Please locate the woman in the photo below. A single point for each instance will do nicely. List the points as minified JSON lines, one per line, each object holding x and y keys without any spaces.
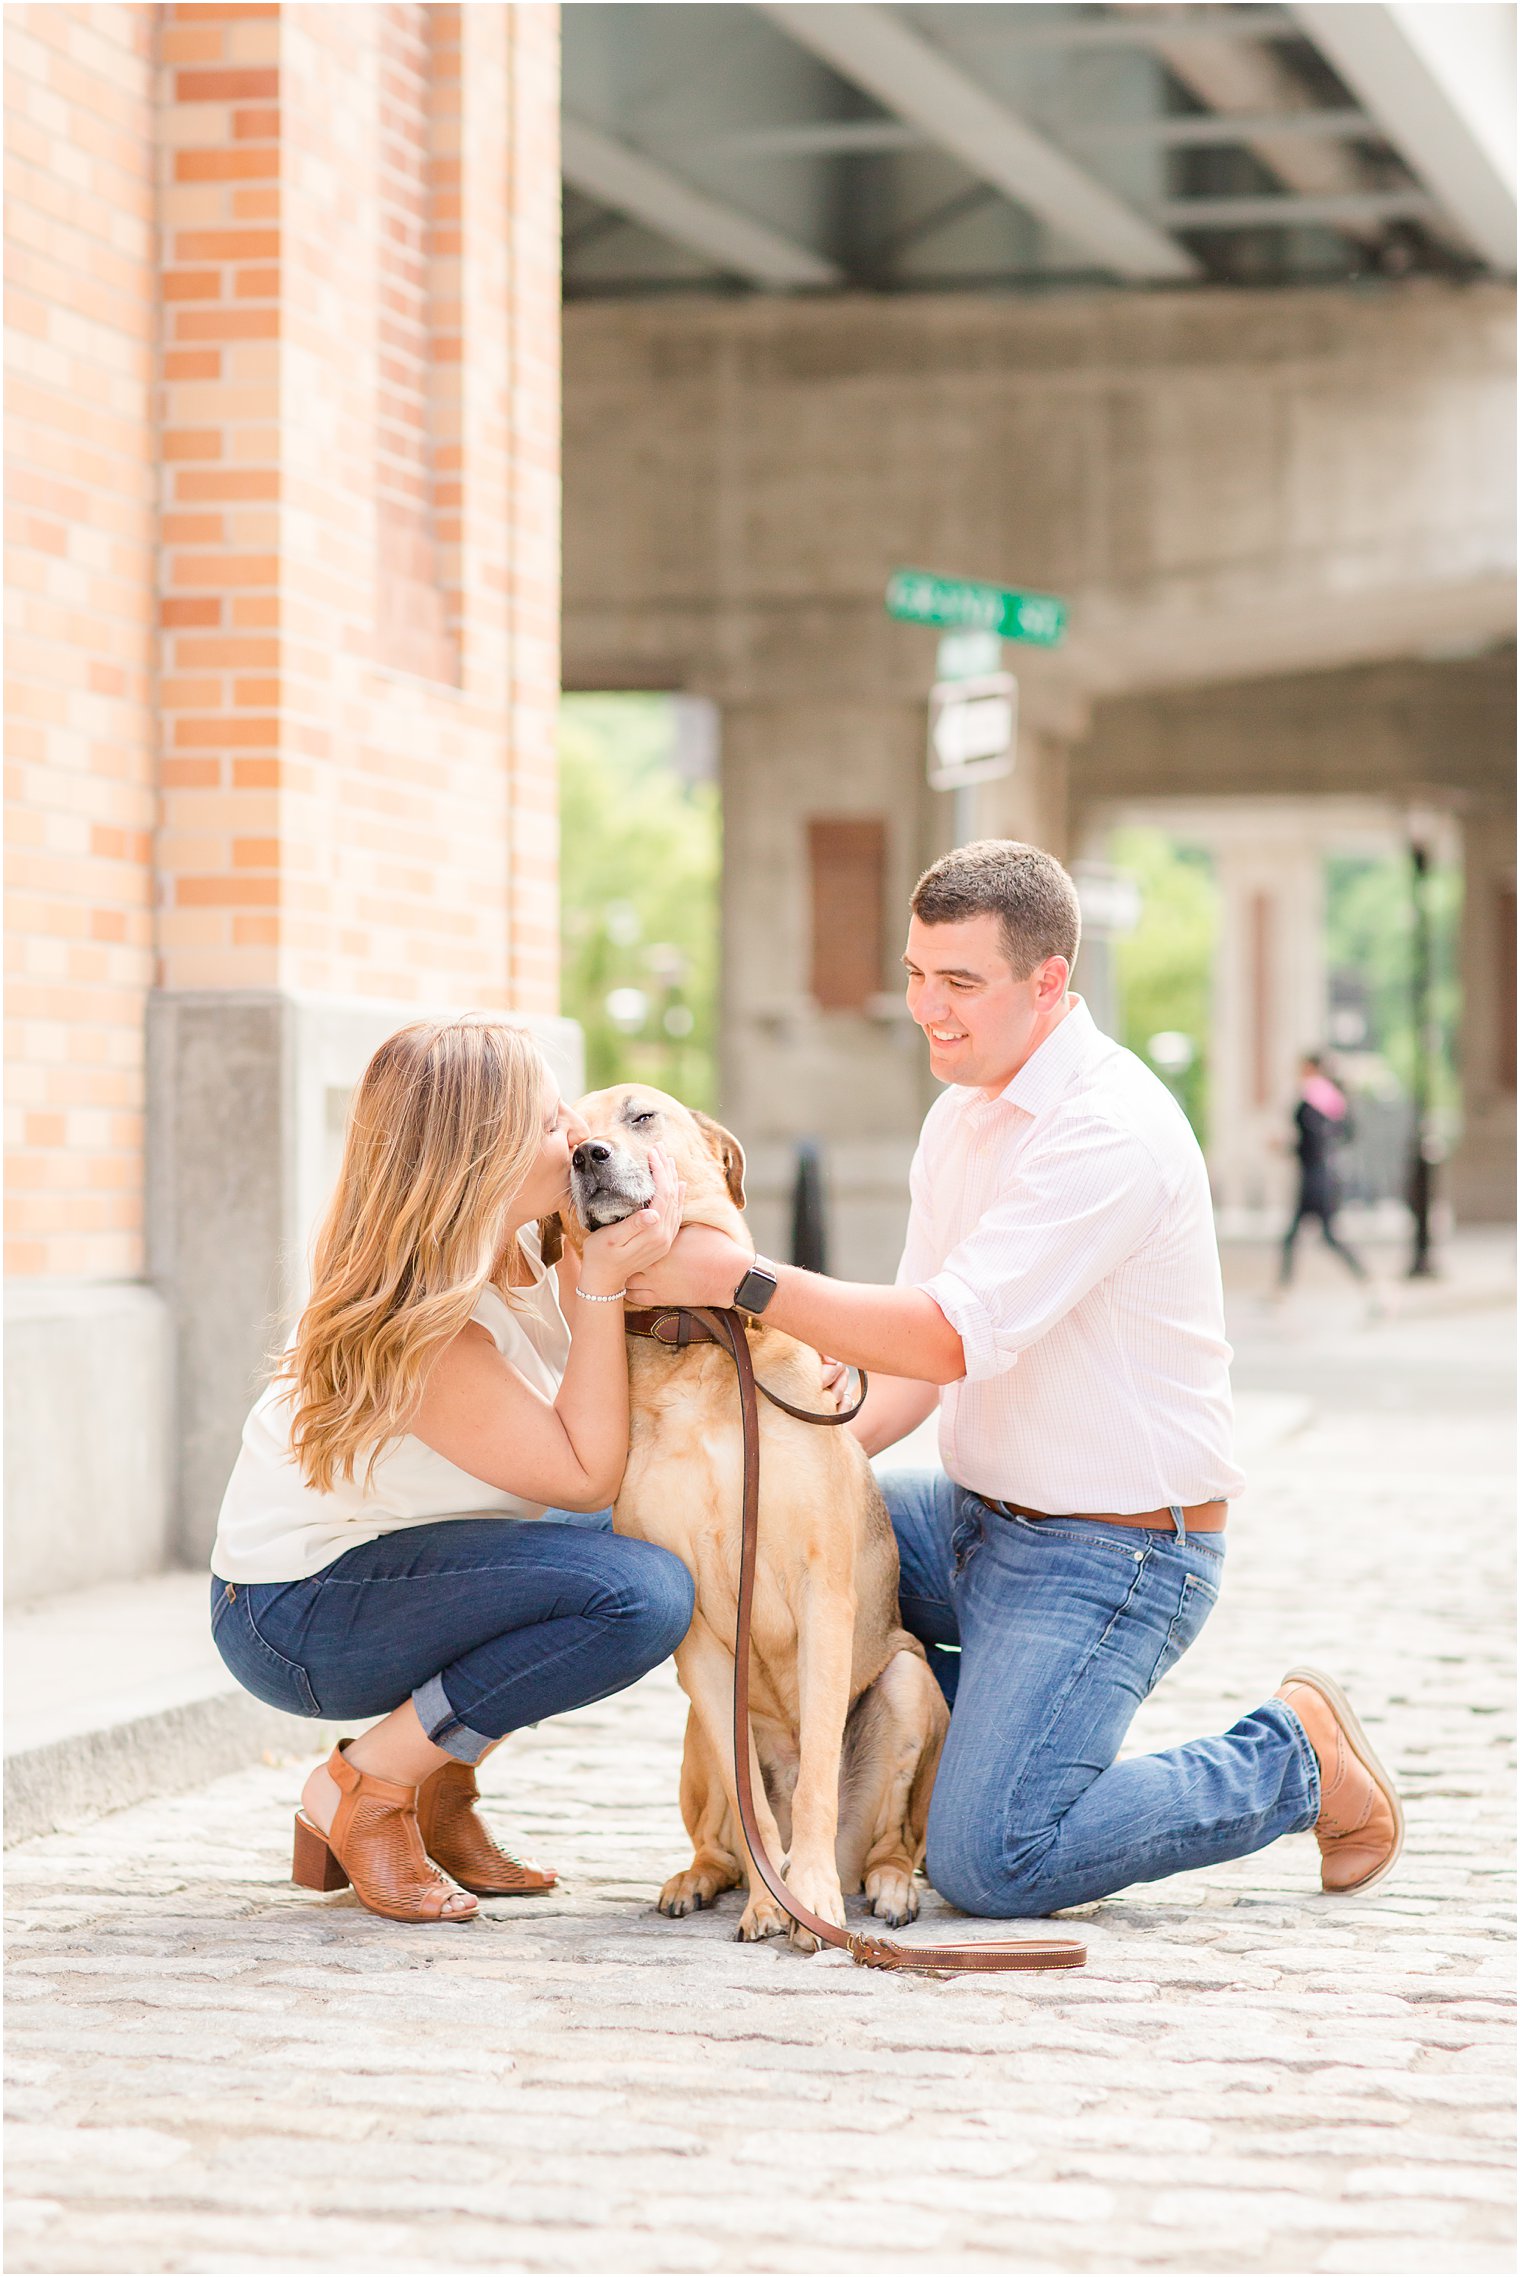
{"x":374,"y":1555}
{"x":1320,"y":1125}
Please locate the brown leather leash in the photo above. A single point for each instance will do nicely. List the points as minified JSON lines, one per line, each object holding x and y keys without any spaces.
{"x":677,"y":1326}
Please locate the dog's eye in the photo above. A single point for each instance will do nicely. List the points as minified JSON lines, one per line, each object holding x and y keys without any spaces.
{"x":646,"y":1117}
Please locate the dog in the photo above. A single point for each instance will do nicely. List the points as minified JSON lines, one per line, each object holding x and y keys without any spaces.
{"x":848,"y":1721}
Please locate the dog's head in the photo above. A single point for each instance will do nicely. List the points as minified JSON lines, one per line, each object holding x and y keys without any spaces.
{"x":609,"y":1171}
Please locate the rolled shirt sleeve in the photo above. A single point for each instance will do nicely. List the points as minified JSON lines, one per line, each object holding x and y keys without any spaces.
{"x":1084,"y":1204}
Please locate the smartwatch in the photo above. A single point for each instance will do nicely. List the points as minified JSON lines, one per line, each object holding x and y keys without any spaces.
{"x":757,"y":1288}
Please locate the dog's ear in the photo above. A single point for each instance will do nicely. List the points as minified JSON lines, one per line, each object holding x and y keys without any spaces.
{"x":728,"y":1151}
{"x":551,"y":1240}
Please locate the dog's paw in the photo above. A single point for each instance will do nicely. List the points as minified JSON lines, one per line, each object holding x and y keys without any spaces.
{"x":891,"y":1896}
{"x":762,"y":1917}
{"x":820,"y":1892}
{"x":691,"y":1891}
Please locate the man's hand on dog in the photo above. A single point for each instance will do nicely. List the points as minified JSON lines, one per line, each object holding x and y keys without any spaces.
{"x":611,"y":1258}
{"x":704,"y":1267}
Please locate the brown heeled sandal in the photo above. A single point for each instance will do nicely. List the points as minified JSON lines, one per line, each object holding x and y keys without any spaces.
{"x":375,"y":1844}
{"x":457,"y":1838}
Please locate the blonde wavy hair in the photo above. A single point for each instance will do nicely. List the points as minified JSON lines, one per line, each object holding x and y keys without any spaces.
{"x":445,"y":1126}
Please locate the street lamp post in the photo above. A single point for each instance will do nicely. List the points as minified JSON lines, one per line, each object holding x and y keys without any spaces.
{"x":1421,"y":1149}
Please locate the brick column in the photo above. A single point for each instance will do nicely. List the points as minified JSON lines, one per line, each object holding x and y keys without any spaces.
{"x":361,"y":599}
{"x":283,"y":377}
{"x":361,"y":443}
{"x":79,"y":258}
{"x":220,"y":695}
{"x":532,"y":411}
{"x":86,"y":1345}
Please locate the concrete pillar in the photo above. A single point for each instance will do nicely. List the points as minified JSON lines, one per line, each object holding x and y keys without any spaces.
{"x":791,"y":1067}
{"x":1270,"y":1007}
{"x":856,"y":1079}
{"x":1032,"y":802}
{"x":1480,"y":1179}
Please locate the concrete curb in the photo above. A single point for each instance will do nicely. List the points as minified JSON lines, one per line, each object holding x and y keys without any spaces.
{"x":65,"y":1783}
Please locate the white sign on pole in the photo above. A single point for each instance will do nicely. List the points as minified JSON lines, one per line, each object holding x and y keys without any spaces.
{"x":973,"y":730}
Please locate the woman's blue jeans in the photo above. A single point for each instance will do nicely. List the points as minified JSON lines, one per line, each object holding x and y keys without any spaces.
{"x":1064,"y":1626}
{"x":486,"y":1623}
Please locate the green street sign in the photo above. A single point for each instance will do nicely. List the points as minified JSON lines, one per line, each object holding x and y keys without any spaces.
{"x":921,"y":599}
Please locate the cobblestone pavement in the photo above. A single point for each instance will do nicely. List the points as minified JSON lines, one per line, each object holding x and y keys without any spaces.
{"x":211,"y":2071}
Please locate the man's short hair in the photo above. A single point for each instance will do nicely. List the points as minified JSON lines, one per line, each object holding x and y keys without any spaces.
{"x":1025,"y":889}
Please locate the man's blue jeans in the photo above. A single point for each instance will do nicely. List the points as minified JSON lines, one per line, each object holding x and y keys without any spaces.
{"x":1064,"y":1625}
{"x":486,"y":1623}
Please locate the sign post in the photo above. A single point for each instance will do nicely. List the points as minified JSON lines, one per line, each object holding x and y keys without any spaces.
{"x":968,"y":656}
{"x":1112,"y":906}
{"x":973,"y":730}
{"x":974,"y":704}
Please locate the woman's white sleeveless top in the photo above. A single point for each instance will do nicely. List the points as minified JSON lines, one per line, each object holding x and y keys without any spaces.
{"x":274,"y":1527}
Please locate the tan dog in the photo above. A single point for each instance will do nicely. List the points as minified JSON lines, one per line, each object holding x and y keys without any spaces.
{"x":847,"y":1719}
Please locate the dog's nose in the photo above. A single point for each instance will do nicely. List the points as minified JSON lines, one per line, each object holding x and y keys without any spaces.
{"x":590,"y":1151}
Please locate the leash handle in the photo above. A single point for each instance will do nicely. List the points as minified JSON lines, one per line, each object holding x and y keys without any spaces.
{"x":811,"y":1415}
{"x":728,"y":1329}
{"x":678,"y":1327}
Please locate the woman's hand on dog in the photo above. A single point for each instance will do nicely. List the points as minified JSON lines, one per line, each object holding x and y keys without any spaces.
{"x":611,"y":1257}
{"x":836,"y":1380}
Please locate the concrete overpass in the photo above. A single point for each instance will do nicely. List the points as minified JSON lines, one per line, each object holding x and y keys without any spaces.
{"x":1280,"y":511}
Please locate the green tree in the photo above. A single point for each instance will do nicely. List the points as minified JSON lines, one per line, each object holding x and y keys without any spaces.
{"x":639,"y":867}
{"x":1165,"y":968}
{"x":1370,"y":934}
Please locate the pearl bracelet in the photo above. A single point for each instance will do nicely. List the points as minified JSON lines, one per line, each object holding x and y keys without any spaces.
{"x":591,"y":1298}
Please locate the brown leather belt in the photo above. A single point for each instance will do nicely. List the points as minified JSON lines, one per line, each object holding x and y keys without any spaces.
{"x":680,"y":1326}
{"x":1197,"y":1517}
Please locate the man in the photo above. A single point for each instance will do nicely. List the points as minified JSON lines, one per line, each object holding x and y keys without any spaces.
{"x":1059,"y":1298}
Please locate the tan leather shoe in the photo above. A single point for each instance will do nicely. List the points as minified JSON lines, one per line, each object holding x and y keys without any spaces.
{"x":374,"y":1843}
{"x":457,"y":1838}
{"x":1360,"y":1828}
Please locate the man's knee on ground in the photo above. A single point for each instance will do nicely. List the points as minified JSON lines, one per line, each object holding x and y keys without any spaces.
{"x":984,"y":1868}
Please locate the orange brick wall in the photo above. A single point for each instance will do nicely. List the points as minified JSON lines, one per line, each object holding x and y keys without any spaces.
{"x":80,"y":537}
{"x":219,"y":192}
{"x":352,"y":457}
{"x":419,"y":76}
{"x":355,"y":825}
{"x":531,"y":403}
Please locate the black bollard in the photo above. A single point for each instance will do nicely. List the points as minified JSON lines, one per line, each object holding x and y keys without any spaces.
{"x":809,"y":1238}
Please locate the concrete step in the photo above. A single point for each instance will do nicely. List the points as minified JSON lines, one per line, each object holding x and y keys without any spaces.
{"x":117,"y":1693}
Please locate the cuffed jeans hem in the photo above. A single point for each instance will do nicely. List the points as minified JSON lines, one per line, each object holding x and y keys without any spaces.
{"x":1309,"y":1760}
{"x":443,"y":1727}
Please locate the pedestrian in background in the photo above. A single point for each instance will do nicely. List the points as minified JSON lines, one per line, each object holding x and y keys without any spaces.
{"x":1321,"y":1124}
